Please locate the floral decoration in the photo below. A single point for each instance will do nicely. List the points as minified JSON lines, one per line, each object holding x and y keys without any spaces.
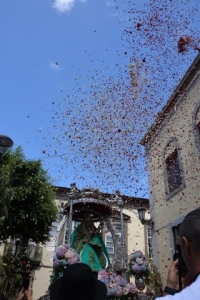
{"x":139,"y":264}
{"x":64,"y":256}
{"x":116,"y":285}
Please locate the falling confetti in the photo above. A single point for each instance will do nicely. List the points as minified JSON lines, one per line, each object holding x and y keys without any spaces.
{"x":105,"y":112}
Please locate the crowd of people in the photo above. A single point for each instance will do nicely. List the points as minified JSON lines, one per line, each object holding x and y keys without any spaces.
{"x":79,"y":282}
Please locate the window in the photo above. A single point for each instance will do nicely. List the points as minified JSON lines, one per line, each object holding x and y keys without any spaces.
{"x":198,"y":128}
{"x":109,"y":239}
{"x":109,"y":243}
{"x":110,"y":250}
{"x":196,"y":125}
{"x":173,"y":171}
{"x":175,"y":231}
{"x":109,"y":246}
{"x":149,"y":242}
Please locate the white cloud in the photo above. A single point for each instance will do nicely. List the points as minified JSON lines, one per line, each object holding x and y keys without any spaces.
{"x":65,"y":5}
{"x":109,"y":3}
{"x":55,"y":66}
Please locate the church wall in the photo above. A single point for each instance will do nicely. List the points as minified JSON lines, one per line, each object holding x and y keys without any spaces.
{"x":178,"y":124}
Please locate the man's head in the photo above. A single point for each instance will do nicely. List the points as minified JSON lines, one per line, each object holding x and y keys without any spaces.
{"x":190,"y":236}
{"x":78,"y":283}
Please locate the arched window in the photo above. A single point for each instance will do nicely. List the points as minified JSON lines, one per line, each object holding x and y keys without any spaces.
{"x":196,"y":125}
{"x":173,"y":171}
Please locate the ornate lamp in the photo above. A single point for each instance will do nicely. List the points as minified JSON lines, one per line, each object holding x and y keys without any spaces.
{"x":141,"y":213}
{"x":5,"y":144}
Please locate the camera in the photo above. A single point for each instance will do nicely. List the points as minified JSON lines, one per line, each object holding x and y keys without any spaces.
{"x":182,"y":268}
{"x":25,"y":283}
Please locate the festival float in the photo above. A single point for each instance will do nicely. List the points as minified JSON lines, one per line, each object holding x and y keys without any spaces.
{"x":93,"y":211}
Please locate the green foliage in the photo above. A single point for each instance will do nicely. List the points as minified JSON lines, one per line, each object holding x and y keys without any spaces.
{"x":26,"y":198}
{"x":153,"y":281}
{"x":10,"y":279}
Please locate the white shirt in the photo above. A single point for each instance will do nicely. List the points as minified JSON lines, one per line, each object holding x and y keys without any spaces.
{"x":191,"y":292}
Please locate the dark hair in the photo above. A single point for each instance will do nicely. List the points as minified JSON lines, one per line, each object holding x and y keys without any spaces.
{"x":190,"y":228}
{"x":78,"y":283}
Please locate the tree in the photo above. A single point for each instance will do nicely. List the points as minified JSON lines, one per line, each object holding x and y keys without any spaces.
{"x":26,"y":198}
{"x":10,"y":279}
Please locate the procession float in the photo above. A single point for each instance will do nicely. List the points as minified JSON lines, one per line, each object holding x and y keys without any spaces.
{"x":92,"y":212}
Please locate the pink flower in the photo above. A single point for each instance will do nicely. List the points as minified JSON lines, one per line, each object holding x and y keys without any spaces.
{"x":103,"y":276}
{"x":65,"y":256}
{"x":136,"y":269}
{"x":60,"y":252}
{"x":119,"y":291}
{"x":139,"y":261}
{"x":116,"y":285}
{"x":126,"y":289}
{"x":133,"y":288}
{"x":120,"y":281}
{"x":73,"y":260}
{"x":69,"y":254}
{"x":67,"y":246}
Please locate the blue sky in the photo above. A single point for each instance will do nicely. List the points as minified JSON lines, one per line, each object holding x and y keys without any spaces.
{"x":60,"y":60}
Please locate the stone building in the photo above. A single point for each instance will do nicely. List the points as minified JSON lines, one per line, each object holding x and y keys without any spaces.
{"x":173,"y":158}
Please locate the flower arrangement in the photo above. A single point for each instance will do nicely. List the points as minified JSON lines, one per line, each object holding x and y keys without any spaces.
{"x":139,"y":264}
{"x":64,"y":256}
{"x":116,"y":285}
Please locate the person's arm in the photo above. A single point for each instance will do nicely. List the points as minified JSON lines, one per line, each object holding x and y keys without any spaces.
{"x":172,"y":286}
{"x":21,"y":294}
{"x":29,"y":292}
